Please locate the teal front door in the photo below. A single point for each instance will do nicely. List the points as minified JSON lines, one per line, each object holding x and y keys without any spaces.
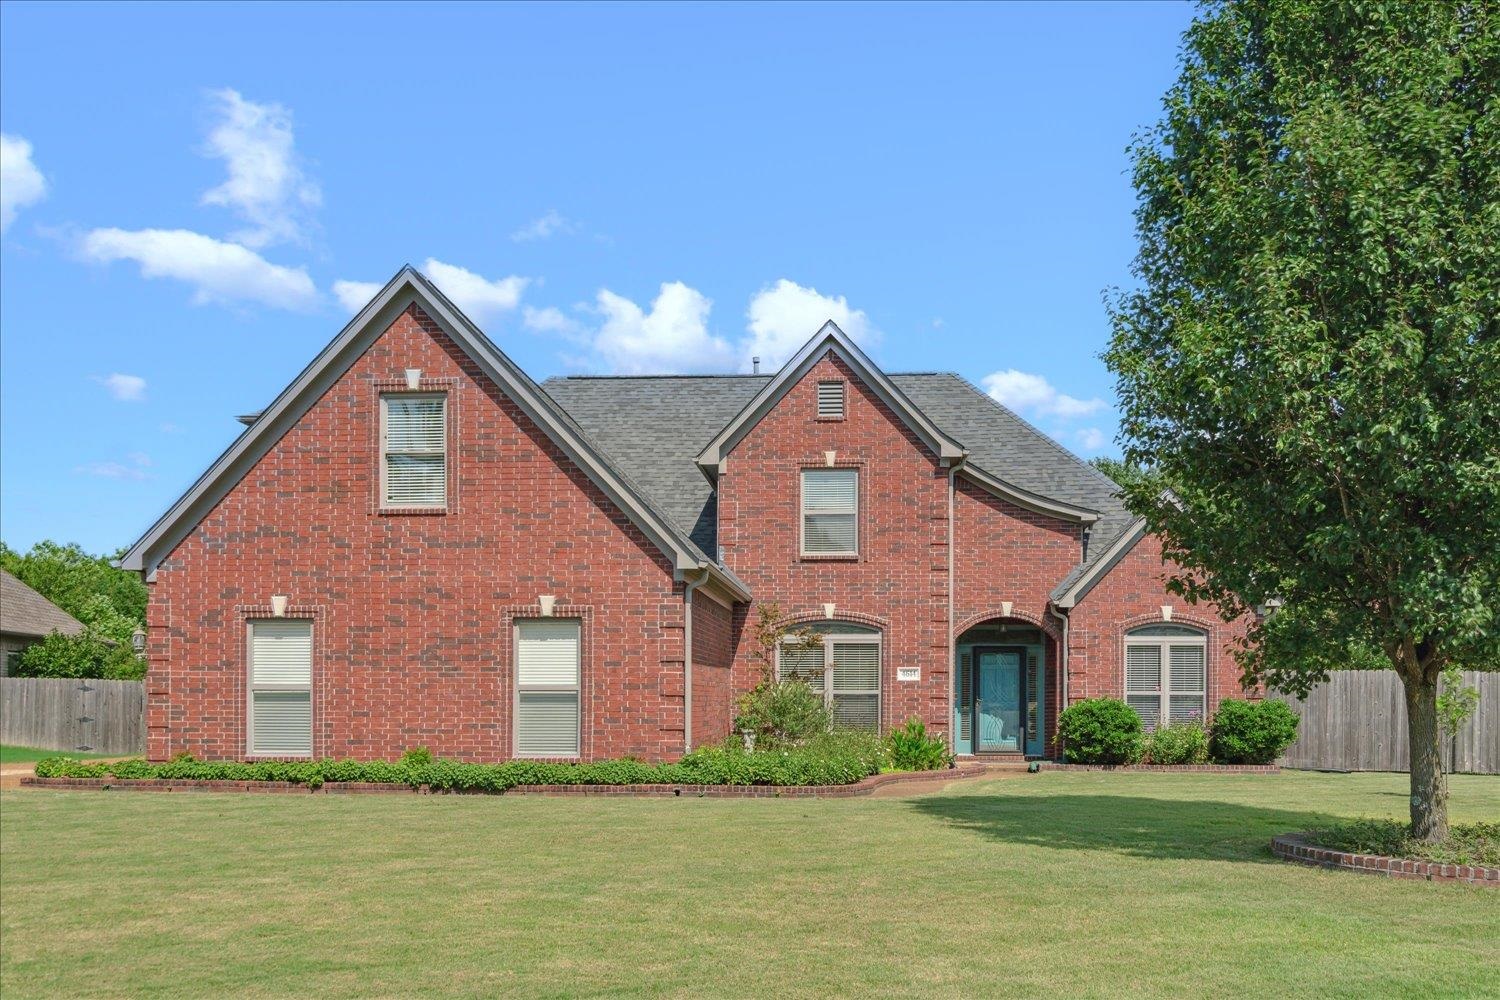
{"x":1000,"y":679}
{"x":997,"y":705}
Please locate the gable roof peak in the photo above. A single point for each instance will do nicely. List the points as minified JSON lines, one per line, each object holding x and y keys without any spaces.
{"x":829,"y":338}
{"x":406,"y":287}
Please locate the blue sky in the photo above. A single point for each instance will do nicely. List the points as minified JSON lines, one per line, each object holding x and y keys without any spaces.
{"x":195,"y":198}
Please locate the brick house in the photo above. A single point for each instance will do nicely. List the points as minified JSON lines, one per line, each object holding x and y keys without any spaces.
{"x":416,"y":544}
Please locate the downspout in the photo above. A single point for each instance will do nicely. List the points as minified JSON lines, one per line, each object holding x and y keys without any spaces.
{"x":687,"y":656}
{"x":952,"y":650}
{"x":1062,"y":661}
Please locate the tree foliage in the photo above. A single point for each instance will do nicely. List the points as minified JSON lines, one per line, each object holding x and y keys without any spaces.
{"x":110,"y":602}
{"x":1310,"y":364}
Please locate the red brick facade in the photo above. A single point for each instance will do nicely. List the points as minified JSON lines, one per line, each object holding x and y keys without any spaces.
{"x":414,"y":612}
{"x":899,"y":580}
{"x":411,"y":612}
{"x":1130,"y":596}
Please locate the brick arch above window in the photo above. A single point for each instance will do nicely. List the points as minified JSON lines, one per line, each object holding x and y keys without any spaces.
{"x":840,"y":614}
{"x":1208,"y":626}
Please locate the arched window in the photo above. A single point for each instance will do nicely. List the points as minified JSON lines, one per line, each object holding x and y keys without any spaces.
{"x":844,"y":666}
{"x":1166,"y":674}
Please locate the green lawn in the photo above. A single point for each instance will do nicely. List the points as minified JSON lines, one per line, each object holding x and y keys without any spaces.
{"x":30,"y":755}
{"x":1036,"y":886}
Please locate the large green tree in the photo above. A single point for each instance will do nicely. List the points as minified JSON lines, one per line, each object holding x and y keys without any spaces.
{"x":1309,"y":364}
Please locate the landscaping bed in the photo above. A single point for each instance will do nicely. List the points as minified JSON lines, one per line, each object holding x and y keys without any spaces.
{"x":823,"y":764}
{"x":863,"y":786}
{"x":1295,"y":848}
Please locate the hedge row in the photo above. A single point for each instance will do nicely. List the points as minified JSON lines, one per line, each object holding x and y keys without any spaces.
{"x":708,"y":766}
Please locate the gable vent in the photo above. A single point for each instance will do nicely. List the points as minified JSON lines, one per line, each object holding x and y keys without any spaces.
{"x":831,"y":400}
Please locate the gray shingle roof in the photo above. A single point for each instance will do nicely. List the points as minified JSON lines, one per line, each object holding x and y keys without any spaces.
{"x":652,"y":427}
{"x":25,"y":612}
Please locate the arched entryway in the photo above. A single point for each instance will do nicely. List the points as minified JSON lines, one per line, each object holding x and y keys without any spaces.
{"x":1000,"y":691}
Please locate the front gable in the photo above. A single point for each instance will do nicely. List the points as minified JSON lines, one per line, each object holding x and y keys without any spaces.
{"x":406,"y":291}
{"x":830,"y":344}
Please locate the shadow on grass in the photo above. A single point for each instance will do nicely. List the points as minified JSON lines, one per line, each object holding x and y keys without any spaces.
{"x":1127,"y":825}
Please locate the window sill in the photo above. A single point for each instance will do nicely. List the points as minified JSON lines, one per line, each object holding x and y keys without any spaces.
{"x":830,"y":420}
{"x":829,"y":557}
{"x":411,"y":511}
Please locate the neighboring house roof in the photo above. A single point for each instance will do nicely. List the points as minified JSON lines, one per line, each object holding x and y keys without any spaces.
{"x":655,"y":426}
{"x":406,"y":287}
{"x":25,"y":612}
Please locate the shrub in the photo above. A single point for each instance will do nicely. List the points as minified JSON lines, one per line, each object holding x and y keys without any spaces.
{"x":1184,"y":744}
{"x":81,"y":655}
{"x":784,"y":711}
{"x":1251,"y":732}
{"x":1100,"y":731}
{"x":909,"y":748}
{"x":830,"y":758}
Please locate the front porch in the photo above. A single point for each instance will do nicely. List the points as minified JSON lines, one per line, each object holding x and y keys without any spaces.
{"x":1004,"y":691}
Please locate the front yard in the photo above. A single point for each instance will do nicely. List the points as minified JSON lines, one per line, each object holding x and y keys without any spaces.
{"x":1059,"y":884}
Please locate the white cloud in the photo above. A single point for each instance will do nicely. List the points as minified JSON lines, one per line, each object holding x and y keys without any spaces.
{"x":353,"y":295}
{"x":553,"y":320}
{"x":785,"y":315}
{"x":672,"y":337}
{"x":218,"y":271}
{"x":167,"y":427}
{"x":1090,"y":438}
{"x":1030,"y":393}
{"x":21,"y":183}
{"x":126,"y":388}
{"x":480,"y":298}
{"x":549,"y":225}
{"x":266,"y":185}
{"x":133,"y":468}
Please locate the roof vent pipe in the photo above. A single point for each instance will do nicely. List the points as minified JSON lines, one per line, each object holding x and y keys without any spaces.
{"x":755,"y":365}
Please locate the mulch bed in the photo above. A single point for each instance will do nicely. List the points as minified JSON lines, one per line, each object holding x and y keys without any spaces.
{"x":1295,"y":848}
{"x":858,"y":788}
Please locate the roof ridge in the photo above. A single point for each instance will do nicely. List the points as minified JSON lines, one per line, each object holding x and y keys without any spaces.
{"x":702,"y":375}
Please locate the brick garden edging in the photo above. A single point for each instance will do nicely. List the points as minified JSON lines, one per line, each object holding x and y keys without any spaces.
{"x":1170,"y":768}
{"x":1295,"y":848}
{"x":854,"y":790}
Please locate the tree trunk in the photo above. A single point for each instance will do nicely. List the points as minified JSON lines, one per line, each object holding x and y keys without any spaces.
{"x":1429,"y":786}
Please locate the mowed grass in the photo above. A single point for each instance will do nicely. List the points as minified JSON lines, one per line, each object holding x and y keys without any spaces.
{"x":1058,"y":884}
{"x":10,"y":754}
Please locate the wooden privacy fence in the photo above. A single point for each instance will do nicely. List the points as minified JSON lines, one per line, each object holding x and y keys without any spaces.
{"x":1357,"y":722}
{"x":93,"y":716}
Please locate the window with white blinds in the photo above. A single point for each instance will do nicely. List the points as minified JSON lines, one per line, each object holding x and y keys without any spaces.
{"x":830,"y":512}
{"x":845,"y":669}
{"x":831,"y":400}
{"x":414,"y":449}
{"x":1166,"y":676}
{"x":280,"y":706}
{"x":547,"y":676}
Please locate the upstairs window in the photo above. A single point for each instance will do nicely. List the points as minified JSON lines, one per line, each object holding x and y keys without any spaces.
{"x":830,"y":400}
{"x":414,"y":449}
{"x":830,"y":512}
{"x":1166,"y":675}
